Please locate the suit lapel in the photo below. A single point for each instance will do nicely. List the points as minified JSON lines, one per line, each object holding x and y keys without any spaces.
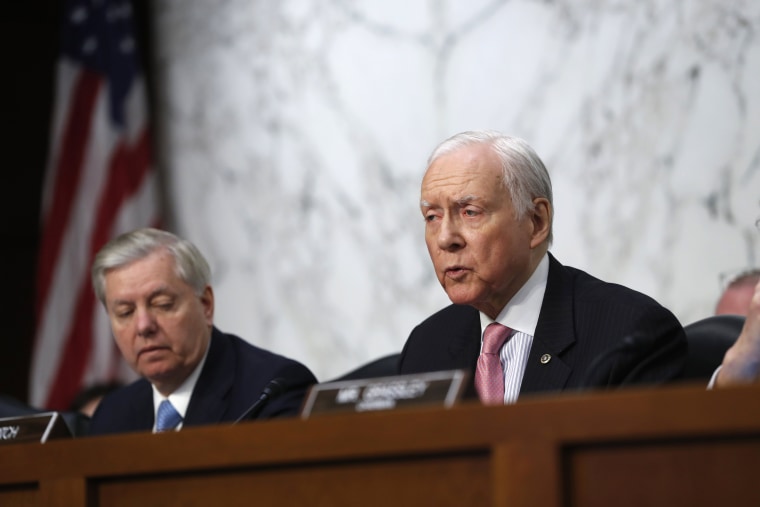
{"x":141,"y":407}
{"x":554,"y":334}
{"x":464,"y":350}
{"x":208,"y":402}
{"x":465,"y":346}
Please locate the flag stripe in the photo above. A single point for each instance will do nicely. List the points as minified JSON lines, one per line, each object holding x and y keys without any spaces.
{"x":99,"y":183}
{"x":72,"y":264}
{"x":68,"y":173}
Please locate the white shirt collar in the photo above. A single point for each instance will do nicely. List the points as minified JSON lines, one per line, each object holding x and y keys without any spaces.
{"x":522,"y":311}
{"x":180,"y":398}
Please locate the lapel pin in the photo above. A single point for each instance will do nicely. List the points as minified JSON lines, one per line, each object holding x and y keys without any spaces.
{"x":546,"y":358}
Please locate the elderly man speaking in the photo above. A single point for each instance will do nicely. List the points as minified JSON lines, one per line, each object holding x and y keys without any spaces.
{"x":521,"y":321}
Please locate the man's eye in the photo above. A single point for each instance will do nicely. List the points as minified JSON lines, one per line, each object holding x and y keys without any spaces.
{"x":123,"y":313}
{"x":471,"y":212}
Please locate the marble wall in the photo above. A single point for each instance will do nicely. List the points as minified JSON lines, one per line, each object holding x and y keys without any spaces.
{"x":293,"y":135}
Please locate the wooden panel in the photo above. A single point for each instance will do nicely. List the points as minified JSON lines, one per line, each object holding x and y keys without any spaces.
{"x":65,"y":492}
{"x":22,"y":495}
{"x":526,"y":473}
{"x":721,"y":471}
{"x":437,"y":480}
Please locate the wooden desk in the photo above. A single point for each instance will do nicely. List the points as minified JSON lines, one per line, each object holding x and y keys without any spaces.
{"x":674,"y":446}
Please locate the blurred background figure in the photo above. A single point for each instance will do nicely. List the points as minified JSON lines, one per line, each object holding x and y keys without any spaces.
{"x":86,"y":401}
{"x":741,"y":364}
{"x":738,"y":293}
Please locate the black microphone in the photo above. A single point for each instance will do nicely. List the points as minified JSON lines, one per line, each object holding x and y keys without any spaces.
{"x":273,"y":389}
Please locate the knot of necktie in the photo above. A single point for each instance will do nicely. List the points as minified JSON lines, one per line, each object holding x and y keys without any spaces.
{"x":494,"y":337}
{"x":167,"y":417}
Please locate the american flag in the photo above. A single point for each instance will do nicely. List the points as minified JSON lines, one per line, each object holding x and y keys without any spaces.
{"x":99,"y":183}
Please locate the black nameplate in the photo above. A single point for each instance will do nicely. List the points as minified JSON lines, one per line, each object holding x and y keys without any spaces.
{"x":442,"y":388}
{"x":33,"y":428}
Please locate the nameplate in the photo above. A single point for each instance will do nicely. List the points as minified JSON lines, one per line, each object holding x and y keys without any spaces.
{"x":33,"y":428}
{"x":443,"y":389}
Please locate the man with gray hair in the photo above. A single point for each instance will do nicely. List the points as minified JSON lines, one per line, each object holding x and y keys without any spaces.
{"x":521,"y":321}
{"x":157,"y":292}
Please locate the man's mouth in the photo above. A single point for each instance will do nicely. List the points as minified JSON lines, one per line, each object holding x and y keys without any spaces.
{"x":455,"y":272}
{"x":151,"y":349}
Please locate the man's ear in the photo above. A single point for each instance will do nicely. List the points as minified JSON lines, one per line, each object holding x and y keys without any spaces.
{"x":541,"y":218}
{"x":207,"y":300}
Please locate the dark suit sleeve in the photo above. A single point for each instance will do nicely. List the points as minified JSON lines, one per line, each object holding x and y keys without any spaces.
{"x":653,"y":353}
{"x":236,"y":376}
{"x":125,"y":410}
{"x":447,"y":340}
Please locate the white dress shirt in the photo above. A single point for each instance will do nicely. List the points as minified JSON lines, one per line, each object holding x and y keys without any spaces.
{"x":521,"y":315}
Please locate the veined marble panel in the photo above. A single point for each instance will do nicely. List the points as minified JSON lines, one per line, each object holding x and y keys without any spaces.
{"x":294,"y":134}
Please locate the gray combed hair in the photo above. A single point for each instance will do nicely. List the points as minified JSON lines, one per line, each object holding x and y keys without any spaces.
{"x":190,"y":265}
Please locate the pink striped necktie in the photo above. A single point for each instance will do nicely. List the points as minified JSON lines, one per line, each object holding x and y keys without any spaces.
{"x":489,"y":375}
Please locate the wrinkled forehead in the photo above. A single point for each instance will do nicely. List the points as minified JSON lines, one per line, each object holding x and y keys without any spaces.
{"x":463,"y":174}
{"x":477,"y":160}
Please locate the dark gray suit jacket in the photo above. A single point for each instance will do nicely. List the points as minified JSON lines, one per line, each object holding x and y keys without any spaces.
{"x":598,"y":334}
{"x":232,"y":379}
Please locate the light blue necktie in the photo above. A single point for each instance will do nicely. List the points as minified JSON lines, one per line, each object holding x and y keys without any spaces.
{"x":167,"y":417}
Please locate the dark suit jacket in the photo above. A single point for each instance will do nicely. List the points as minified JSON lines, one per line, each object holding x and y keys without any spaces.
{"x":232,"y":379}
{"x":598,"y":335}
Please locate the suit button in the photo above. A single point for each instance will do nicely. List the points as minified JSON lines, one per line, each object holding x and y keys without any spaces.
{"x":546,"y":358}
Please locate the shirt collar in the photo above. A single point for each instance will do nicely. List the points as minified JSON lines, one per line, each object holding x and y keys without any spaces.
{"x":522,"y":311}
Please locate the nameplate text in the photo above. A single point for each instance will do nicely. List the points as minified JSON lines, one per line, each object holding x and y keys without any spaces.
{"x":443,"y":389}
{"x":33,"y":428}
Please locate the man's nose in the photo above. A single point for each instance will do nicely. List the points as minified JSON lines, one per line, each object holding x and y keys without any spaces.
{"x":449,"y":234}
{"x":146,"y":322}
